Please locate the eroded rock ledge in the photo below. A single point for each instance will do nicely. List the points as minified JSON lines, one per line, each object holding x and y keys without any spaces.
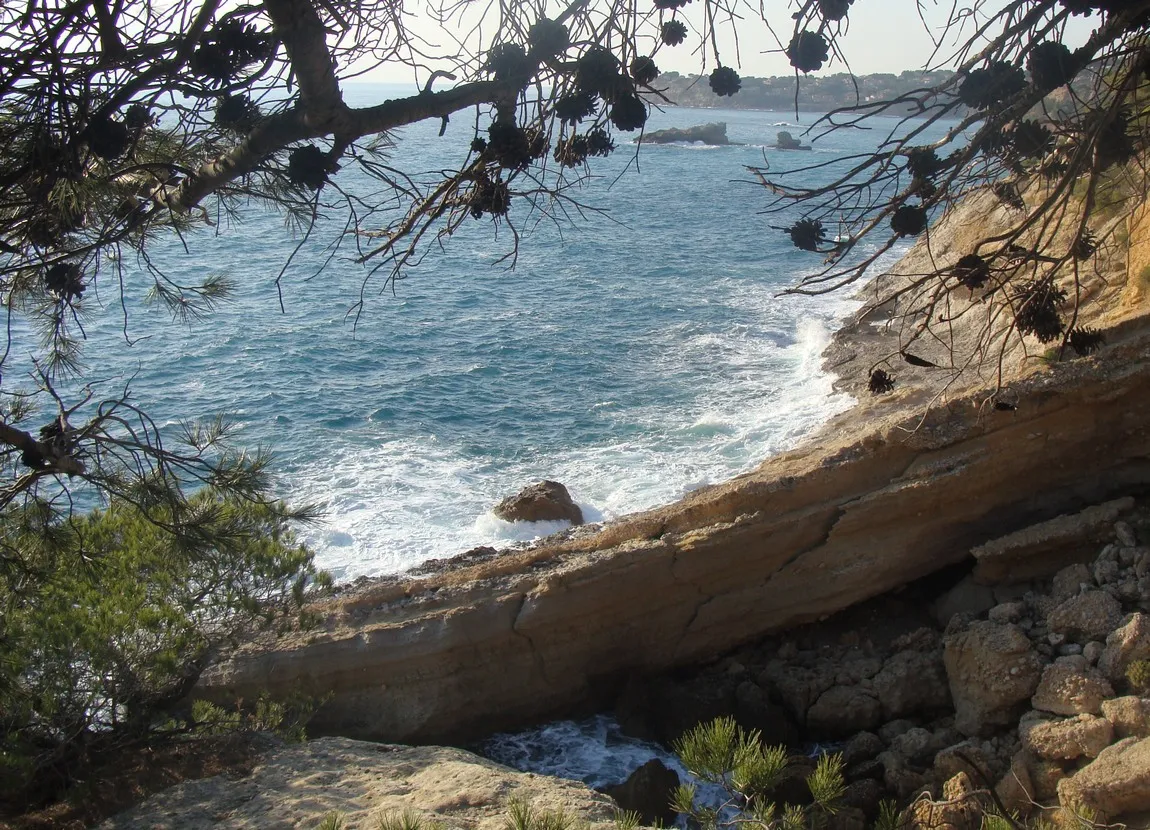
{"x":535,"y":634}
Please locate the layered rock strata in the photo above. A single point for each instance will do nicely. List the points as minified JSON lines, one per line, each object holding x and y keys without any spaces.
{"x":533,"y":634}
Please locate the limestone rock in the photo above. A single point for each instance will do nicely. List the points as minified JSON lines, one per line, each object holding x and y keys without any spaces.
{"x":1130,"y":716}
{"x":544,"y":501}
{"x":991,"y":669}
{"x":1040,"y":549}
{"x":1088,"y":616}
{"x":881,"y":496}
{"x":1068,"y":582}
{"x":1113,"y":784}
{"x":298,"y":784}
{"x":862,"y":747}
{"x":1125,"y":645}
{"x":1065,"y":740}
{"x":1015,"y":789}
{"x":912,"y":683}
{"x":962,"y":808}
{"x":647,"y":791}
{"x":715,"y":133}
{"x":966,"y":597}
{"x":916,"y":745}
{"x":798,"y":687}
{"x":842,"y":711}
{"x":967,"y":756}
{"x":1067,"y":689}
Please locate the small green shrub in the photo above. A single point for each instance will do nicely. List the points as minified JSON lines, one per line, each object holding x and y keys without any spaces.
{"x":1138,"y":676}
{"x":723,"y":754}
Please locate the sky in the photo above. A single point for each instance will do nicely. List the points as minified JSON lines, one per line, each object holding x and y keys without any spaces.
{"x":881,"y":36}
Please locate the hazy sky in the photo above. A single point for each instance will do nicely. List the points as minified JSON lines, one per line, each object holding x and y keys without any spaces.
{"x":882,"y":36}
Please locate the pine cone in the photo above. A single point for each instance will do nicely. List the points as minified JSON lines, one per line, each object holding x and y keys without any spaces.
{"x":808,"y":51}
{"x":972,"y":271}
{"x":725,"y":81}
{"x":307,"y":167}
{"x":628,"y":112}
{"x":908,"y":220}
{"x":986,"y":88}
{"x":673,"y":32}
{"x":548,"y":38}
{"x":880,"y":382}
{"x":643,"y":70}
{"x":1051,"y":65}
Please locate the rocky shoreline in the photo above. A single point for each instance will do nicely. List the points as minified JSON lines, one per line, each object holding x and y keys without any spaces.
{"x":947,"y":590}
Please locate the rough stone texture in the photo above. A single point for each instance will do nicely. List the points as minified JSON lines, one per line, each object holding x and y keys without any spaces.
{"x":1015,"y":789}
{"x":1041,"y":549}
{"x":842,"y":711}
{"x":1088,"y":616}
{"x":871,"y":503}
{"x":966,"y":597}
{"x":1113,"y":784}
{"x":544,"y":501}
{"x":961,"y":808}
{"x":1068,"y":582}
{"x":862,"y":747}
{"x":647,"y":791}
{"x":714,"y":133}
{"x":1067,"y":689}
{"x":992,"y":669}
{"x":1125,"y":645}
{"x":1065,"y":740}
{"x":1130,"y":716}
{"x":297,"y":785}
{"x":912,"y":683}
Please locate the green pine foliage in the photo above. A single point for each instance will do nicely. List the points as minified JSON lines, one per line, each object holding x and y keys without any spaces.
{"x":110,"y":618}
{"x":721,"y":753}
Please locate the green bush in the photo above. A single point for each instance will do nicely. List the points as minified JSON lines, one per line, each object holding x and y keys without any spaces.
{"x":1138,"y":676}
{"x":747,"y":771}
{"x":110,"y":617}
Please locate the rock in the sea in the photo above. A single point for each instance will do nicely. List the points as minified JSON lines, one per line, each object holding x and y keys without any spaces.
{"x":299,"y":784}
{"x":1067,"y":689}
{"x":706,"y":133}
{"x":992,"y":670}
{"x":1064,"y":740}
{"x":1113,"y":784}
{"x":544,"y":501}
{"x":1088,"y":616}
{"x":647,"y":791}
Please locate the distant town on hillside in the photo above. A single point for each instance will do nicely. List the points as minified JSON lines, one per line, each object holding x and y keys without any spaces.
{"x":816,"y":93}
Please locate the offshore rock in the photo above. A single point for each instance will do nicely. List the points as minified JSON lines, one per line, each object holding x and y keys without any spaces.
{"x":544,"y":501}
{"x":706,"y":133}
{"x":879,"y":499}
{"x":647,"y":791}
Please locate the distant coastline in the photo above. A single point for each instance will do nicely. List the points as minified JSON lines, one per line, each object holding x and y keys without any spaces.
{"x":815,"y":93}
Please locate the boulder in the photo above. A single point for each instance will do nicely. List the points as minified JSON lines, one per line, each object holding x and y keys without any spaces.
{"x":912,"y":683}
{"x":916,"y":745}
{"x":1041,"y":549}
{"x":1124,"y":645}
{"x":544,"y":501}
{"x":966,"y":597}
{"x":297,"y":785}
{"x":992,"y":670}
{"x":864,"y":746}
{"x":706,"y":133}
{"x":1015,"y":789}
{"x":755,"y":711}
{"x":1113,"y":784}
{"x":647,"y":791}
{"x":1065,"y":740}
{"x":1130,"y":716}
{"x":1088,"y":616}
{"x":961,"y":808}
{"x":1069,"y":581}
{"x":842,"y":711}
{"x":798,"y":687}
{"x":1066,"y":689}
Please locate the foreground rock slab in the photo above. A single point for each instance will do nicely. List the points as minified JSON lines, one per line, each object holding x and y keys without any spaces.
{"x":297,"y":785}
{"x":862,"y":509}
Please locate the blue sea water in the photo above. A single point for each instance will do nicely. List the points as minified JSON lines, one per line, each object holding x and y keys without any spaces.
{"x":633,"y":355}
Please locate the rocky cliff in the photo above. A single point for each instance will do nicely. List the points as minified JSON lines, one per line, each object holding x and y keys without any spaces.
{"x":883,"y":495}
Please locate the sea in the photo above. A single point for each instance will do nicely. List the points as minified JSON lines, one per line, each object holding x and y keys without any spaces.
{"x":640,"y":347}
